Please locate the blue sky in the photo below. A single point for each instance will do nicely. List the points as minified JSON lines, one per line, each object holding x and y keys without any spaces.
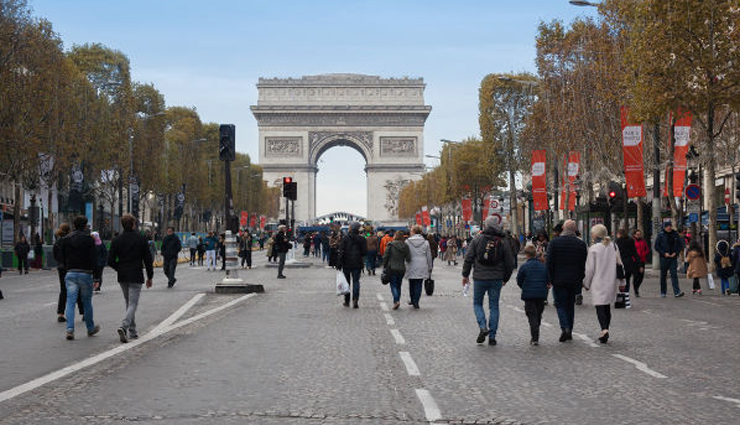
{"x":209,"y":54}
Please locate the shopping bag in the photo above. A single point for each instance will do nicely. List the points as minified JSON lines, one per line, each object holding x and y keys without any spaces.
{"x":31,"y":255}
{"x":623,"y":300}
{"x":710,"y":281}
{"x":342,"y":284}
{"x":429,"y":286}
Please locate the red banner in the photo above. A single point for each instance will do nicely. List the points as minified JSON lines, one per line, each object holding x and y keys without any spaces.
{"x":425,"y":218}
{"x":263,"y":221}
{"x":682,"y":133}
{"x":563,"y":184}
{"x":634,"y":172}
{"x":418,"y":219}
{"x":467,"y":209}
{"x":539,"y":181}
{"x":243,"y":219}
{"x":253,"y":221}
{"x":572,"y":171}
{"x":486,"y":205}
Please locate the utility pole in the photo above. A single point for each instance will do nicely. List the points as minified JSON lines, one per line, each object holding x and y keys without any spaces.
{"x":657,"y":210}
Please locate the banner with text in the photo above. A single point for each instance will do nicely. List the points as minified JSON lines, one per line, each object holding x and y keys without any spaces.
{"x":574,"y":168}
{"x":682,"y":133}
{"x":634,"y":173}
{"x":563,"y":183}
{"x":467,"y":209}
{"x":539,"y":181}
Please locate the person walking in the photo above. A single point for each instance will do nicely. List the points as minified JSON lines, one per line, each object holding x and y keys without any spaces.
{"x":492,"y":262}
{"x":384,"y":241}
{"x":325,"y":248}
{"x":83,"y":274}
{"x":533,"y":280}
{"x":566,"y":266}
{"x":643,"y":253}
{"x":211,"y":243}
{"x":451,"y":252}
{"x":307,"y":244}
{"x":420,"y":265}
{"x":22,"y":248}
{"x":335,"y":242}
{"x":193,"y":245}
{"x":352,"y":252}
{"x":725,"y":268}
{"x":669,"y":245}
{"x":317,"y":245}
{"x":628,"y":255}
{"x":601,"y":277}
{"x":282,"y":246}
{"x":373,"y":243}
{"x":697,"y":265}
{"x":201,"y":248}
{"x":102,"y":254}
{"x":245,"y":249}
{"x":222,"y":250}
{"x":129,"y":252}
{"x":270,"y":248}
{"x":171,"y":247}
{"x":63,"y":232}
{"x":38,"y":252}
{"x":397,"y":254}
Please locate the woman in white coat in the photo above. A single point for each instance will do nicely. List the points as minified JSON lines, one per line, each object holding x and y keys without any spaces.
{"x":601,"y":277}
{"x":420,"y":266}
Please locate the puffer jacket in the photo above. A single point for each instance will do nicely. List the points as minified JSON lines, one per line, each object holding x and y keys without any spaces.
{"x":397,"y":253}
{"x":352,"y":251}
{"x":532,"y":278}
{"x":420,"y":266}
{"x":499,"y":271}
{"x":723,"y":251}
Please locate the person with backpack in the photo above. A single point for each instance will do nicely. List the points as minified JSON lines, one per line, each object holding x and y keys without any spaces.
{"x":725,"y":268}
{"x":352,"y":252}
{"x":566,"y":265}
{"x":492,"y":262}
{"x":397,"y":254}
{"x":532,"y":278}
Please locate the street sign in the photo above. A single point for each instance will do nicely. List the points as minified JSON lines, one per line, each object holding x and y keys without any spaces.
{"x":693,"y":207}
{"x":693,"y":218}
{"x":693,"y":192}
{"x":727,"y":196}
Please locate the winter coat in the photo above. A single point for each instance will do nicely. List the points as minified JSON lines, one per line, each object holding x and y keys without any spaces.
{"x":532,"y":278}
{"x":697,"y":265}
{"x":22,"y":249}
{"x":57,"y":253}
{"x":397,"y":254}
{"x":643,"y":250}
{"x":433,"y":246}
{"x":79,"y":255}
{"x":502,"y":270}
{"x":193,"y":242}
{"x":724,"y":252}
{"x":211,"y":243}
{"x":372,"y":243}
{"x":628,"y":251}
{"x":282,"y":244}
{"x":668,"y":243}
{"x":102,"y":253}
{"x":384,"y":243}
{"x":420,"y":266}
{"x":352,"y":252}
{"x":566,"y":261}
{"x":736,"y":257}
{"x":171,"y":246}
{"x":129,"y":252}
{"x":601,"y":273}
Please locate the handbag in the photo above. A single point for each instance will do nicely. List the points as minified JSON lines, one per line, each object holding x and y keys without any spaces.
{"x":623,"y":300}
{"x":385,"y":277}
{"x":429,"y":286}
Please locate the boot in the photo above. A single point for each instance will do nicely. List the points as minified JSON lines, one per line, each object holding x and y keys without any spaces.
{"x":355,"y":304}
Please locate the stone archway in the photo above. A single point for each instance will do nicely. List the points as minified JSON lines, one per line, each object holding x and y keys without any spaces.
{"x":383,"y":119}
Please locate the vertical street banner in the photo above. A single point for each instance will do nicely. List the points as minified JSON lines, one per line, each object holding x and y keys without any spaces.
{"x":263,"y":221}
{"x":682,"y":133}
{"x":467,"y":209}
{"x":563,"y":183}
{"x":539,"y":181}
{"x":243,"y":219}
{"x":418,"y":219}
{"x":634,"y":173}
{"x":425,"y":218}
{"x":572,"y":171}
{"x":486,"y":205}
{"x":253,"y":221}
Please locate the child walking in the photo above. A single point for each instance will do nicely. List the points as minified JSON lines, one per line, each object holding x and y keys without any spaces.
{"x":533,"y":280}
{"x":697,"y":265}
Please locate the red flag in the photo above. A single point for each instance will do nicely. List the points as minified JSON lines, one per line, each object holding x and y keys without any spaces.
{"x":633,"y":163}
{"x":563,"y":185}
{"x":467,"y":209}
{"x":253,"y":221}
{"x":243,"y":218}
{"x":682,"y":133}
{"x":263,"y":221}
{"x":486,"y":205}
{"x":418,"y":219}
{"x":572,"y":171}
{"x":539,"y":181}
{"x":426,"y":219}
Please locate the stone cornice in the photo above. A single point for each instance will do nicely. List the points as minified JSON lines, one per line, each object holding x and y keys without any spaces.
{"x":343,"y":80}
{"x":264,"y":109}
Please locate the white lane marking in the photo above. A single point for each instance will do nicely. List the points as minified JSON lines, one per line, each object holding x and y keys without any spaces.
{"x":389,"y":319}
{"x":410,"y":364}
{"x":518,"y":310}
{"x":431,"y":410}
{"x":179,"y":312}
{"x":398,"y":337}
{"x":384,"y":307}
{"x":586,"y":339}
{"x":731,"y":400}
{"x":61,"y":373}
{"x":546,"y":324}
{"x":642,"y":367}
{"x":709,"y":302}
{"x":49,"y":304}
{"x":380,"y":297}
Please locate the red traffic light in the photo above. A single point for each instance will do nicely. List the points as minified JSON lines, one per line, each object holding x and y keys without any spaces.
{"x":612,"y":194}
{"x":287,"y":180}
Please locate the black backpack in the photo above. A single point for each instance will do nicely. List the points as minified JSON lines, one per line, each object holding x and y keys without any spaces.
{"x":491,"y":250}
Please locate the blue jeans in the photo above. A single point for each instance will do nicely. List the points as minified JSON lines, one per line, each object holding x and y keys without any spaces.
{"x":666,"y":265}
{"x":395,"y":284}
{"x":480,"y":288}
{"x":325,"y":251}
{"x":82,"y":284}
{"x":415,"y":291}
{"x":565,"y":301}
{"x":370,"y":259}
{"x":354,"y":282}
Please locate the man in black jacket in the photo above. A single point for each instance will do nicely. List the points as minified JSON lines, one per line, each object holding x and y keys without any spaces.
{"x":352,"y":252}
{"x":128,"y":252}
{"x":282,"y":246}
{"x":171,"y":247}
{"x":566,"y":265}
{"x":81,"y":262}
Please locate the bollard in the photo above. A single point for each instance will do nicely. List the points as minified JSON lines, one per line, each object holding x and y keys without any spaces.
{"x":232,"y":283}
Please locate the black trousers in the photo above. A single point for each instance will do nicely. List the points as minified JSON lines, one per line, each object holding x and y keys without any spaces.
{"x":62,"y":303}
{"x":533,"y":309}
{"x":170,"y":265}
{"x":604,"y":314}
{"x":638,"y":280}
{"x":247,"y":258}
{"x":697,"y":285}
{"x":192,"y":255}
{"x":23,"y":263}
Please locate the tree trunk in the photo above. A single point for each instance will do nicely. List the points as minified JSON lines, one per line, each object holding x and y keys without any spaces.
{"x":641,"y":215}
{"x":709,"y":198}
{"x":17,"y":207}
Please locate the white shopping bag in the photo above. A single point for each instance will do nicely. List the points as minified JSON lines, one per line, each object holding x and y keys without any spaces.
{"x":710,"y":281}
{"x":342,"y":284}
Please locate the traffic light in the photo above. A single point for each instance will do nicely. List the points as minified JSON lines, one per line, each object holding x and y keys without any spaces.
{"x":615,"y":193}
{"x":227,"y":142}
{"x":737,"y":186}
{"x":290,"y":188}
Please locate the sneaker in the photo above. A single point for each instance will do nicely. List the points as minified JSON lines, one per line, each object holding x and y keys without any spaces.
{"x":61,"y":319}
{"x":698,"y":292}
{"x":70,"y":335}
{"x":281,"y":277}
{"x":396,"y":305}
{"x":579,"y":299}
{"x":482,"y":336}
{"x":491,"y":341}
{"x":94,"y":330}
{"x":679,"y":295}
{"x":604,"y":336}
{"x":122,"y":335}
{"x":133,"y":335}
{"x":662,"y":295}
{"x":637,"y":294}
{"x":534,"y":343}
{"x":727,"y":292}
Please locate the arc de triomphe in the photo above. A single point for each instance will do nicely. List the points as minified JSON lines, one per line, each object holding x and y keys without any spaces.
{"x":382,"y":118}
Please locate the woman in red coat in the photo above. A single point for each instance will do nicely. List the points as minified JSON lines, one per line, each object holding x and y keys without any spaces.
{"x":643,"y":251}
